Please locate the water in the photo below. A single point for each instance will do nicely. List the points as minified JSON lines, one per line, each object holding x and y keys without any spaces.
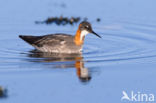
{"x":123,"y":60}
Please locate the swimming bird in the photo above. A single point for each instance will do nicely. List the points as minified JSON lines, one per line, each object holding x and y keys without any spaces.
{"x":61,"y":43}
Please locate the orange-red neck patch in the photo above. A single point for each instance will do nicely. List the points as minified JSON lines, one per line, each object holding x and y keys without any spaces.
{"x":77,"y":39}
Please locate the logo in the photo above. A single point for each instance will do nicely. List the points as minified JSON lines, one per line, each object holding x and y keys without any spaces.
{"x":137,"y":96}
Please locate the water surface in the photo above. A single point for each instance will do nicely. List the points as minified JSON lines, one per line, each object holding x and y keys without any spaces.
{"x":123,"y":60}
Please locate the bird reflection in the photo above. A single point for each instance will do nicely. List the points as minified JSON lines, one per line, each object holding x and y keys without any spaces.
{"x":67,"y":61}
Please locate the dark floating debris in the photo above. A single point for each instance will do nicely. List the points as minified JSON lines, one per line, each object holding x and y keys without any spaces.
{"x":63,"y":20}
{"x":3,"y":92}
{"x":98,"y":19}
{"x":60,"y":20}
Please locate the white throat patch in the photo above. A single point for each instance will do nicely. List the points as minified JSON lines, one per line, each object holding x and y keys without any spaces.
{"x":83,"y":33}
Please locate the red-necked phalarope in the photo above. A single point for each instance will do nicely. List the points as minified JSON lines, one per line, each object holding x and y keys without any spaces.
{"x":61,"y":43}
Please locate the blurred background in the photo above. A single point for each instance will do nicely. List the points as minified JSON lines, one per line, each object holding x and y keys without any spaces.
{"x":123,"y":60}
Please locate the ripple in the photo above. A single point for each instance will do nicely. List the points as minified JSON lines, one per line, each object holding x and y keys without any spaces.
{"x":131,"y":42}
{"x":125,"y":44}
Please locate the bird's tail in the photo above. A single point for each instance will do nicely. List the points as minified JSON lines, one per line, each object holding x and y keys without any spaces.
{"x":29,"y":39}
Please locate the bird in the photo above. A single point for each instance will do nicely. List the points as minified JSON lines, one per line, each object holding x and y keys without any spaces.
{"x":60,"y":42}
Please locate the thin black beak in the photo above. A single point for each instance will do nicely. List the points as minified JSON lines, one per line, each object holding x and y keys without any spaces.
{"x":96,"y":34}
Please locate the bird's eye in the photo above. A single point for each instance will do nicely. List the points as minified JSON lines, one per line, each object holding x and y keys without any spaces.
{"x":87,"y":26}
